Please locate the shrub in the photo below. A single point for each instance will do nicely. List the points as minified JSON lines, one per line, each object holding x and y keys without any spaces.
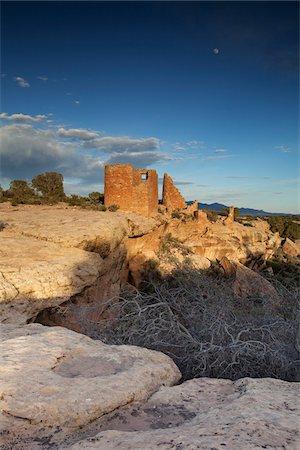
{"x":76,"y":200}
{"x":50,"y":186}
{"x":20,"y":192}
{"x":286,"y":226}
{"x":113,"y":208}
{"x":176,"y":214}
{"x":96,"y":198}
{"x":169,"y":243}
{"x":101,"y":207}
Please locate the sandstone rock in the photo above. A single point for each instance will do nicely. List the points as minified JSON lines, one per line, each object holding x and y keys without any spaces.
{"x":53,"y":254}
{"x":200,"y":262}
{"x":39,"y":274}
{"x":247,"y":283}
{"x":290,"y":247}
{"x":53,"y":377}
{"x":201,"y":217}
{"x":93,"y":231}
{"x":215,"y":240}
{"x":250,"y":284}
{"x":228,"y":267}
{"x":206,"y":414}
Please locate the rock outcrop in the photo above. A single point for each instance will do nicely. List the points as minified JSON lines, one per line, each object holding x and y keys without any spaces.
{"x":68,"y":258}
{"x":290,"y":247}
{"x":249,"y":284}
{"x":236,"y":242}
{"x":55,"y":378}
{"x":206,"y":414}
{"x":52,"y":254}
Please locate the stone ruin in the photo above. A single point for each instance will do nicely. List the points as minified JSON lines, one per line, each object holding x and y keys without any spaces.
{"x":136,"y":190}
{"x":171,"y":198}
{"x":131,"y":189}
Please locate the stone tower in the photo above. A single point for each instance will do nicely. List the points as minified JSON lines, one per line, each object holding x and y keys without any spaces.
{"x":131,"y":189}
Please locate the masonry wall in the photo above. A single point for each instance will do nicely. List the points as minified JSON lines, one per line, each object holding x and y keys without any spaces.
{"x":132,"y":189}
{"x":172,"y":198}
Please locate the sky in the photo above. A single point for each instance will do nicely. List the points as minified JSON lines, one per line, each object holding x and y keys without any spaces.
{"x":205,"y":91}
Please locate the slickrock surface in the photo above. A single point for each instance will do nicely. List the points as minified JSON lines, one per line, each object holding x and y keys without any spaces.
{"x":206,"y":414}
{"x":49,"y":254}
{"x":54,"y":377}
{"x":71,"y":227}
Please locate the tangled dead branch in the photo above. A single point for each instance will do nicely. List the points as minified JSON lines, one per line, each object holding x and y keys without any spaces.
{"x":195,"y":319}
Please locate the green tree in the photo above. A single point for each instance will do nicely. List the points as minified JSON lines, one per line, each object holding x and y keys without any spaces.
{"x":20,"y":192}
{"x":50,"y":186}
{"x":1,"y":194}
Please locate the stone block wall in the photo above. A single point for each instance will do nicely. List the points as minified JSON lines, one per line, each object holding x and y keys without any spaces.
{"x":131,"y":189}
{"x":172,"y":198}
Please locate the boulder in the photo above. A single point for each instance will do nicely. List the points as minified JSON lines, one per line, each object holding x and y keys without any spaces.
{"x":205,"y":414}
{"x":55,"y":378}
{"x":200,"y":262}
{"x":290,"y":247}
{"x":247,"y":283}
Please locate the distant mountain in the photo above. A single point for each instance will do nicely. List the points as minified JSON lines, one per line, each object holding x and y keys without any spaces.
{"x":243,"y":211}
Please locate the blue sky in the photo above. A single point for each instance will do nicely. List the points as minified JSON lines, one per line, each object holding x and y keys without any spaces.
{"x":206,"y":91}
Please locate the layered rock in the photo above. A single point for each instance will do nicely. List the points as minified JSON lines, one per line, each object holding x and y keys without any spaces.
{"x":236,"y":242}
{"x":50,"y":255}
{"x":54,"y":378}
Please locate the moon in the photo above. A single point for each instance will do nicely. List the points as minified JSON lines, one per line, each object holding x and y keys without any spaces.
{"x":216,"y":51}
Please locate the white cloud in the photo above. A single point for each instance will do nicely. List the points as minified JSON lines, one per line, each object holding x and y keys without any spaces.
{"x":77,"y":133}
{"x":283,"y":148}
{"x":138,"y":159}
{"x":22,"y":82}
{"x":123,"y":144}
{"x":218,"y":157}
{"x":77,"y":102}
{"x":23,"y":117}
{"x":195,"y":143}
{"x":42,"y":78}
{"x":26,"y":151}
{"x":235,"y":177}
{"x":220,"y":150}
